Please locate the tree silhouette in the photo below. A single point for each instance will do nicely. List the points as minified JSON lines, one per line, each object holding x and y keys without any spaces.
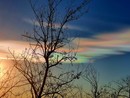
{"x":92,"y":77}
{"x":123,"y":88}
{"x":43,"y":64}
{"x":8,"y":81}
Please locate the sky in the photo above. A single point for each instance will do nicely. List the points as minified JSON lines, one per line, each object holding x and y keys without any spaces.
{"x":103,"y":34}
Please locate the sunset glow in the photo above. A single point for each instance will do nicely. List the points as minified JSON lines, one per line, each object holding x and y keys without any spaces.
{"x":49,"y":48}
{"x":116,"y":43}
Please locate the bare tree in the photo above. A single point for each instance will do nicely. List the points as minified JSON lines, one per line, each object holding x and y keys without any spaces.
{"x":116,"y":90}
{"x":92,"y":77}
{"x":43,"y":64}
{"x":126,"y":83}
{"x":122,"y":88}
{"x":8,"y":81}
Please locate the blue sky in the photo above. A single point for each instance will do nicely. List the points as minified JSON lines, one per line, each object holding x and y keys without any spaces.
{"x":104,"y":33}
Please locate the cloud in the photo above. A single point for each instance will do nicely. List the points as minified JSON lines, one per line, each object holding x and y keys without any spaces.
{"x":71,"y":27}
{"x":13,"y":45}
{"x":111,"y":43}
{"x":3,"y":53}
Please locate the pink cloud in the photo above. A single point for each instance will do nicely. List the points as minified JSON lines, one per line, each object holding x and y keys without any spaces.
{"x":115,"y":43}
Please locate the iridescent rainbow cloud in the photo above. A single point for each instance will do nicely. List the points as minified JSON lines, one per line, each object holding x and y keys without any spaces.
{"x":113,"y":43}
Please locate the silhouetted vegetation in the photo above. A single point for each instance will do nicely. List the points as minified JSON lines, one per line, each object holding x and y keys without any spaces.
{"x":40,"y":63}
{"x":46,"y":69}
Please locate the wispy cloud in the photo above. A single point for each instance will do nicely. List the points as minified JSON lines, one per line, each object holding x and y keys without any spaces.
{"x":114,"y":43}
{"x":111,"y":43}
{"x":13,"y":45}
{"x":71,"y":27}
